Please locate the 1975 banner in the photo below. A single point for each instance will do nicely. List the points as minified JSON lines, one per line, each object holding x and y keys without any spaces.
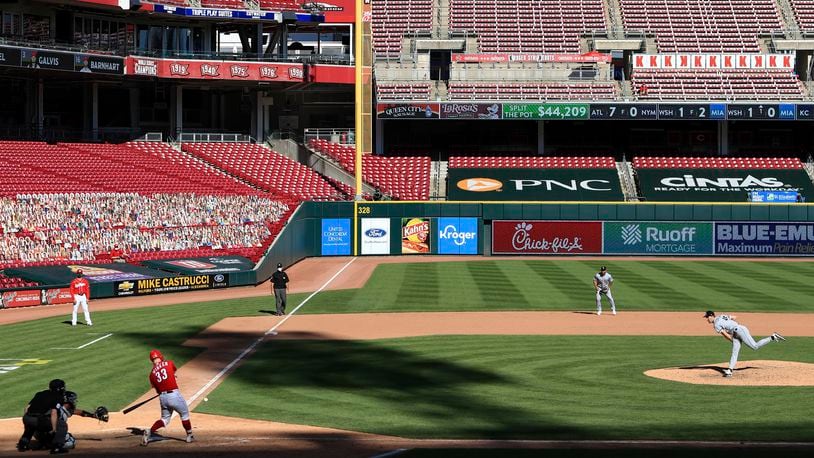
{"x":546,"y":237}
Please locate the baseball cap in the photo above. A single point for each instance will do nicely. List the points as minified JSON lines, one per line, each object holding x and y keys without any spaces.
{"x":156,"y":354}
{"x":709,"y":314}
{"x":601,"y":268}
{"x":279,"y":264}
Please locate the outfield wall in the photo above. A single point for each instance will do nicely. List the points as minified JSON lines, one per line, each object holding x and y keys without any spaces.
{"x":597,"y":228}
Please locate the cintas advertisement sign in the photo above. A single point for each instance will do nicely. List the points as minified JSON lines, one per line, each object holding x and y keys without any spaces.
{"x":534,"y":184}
{"x":764,"y":239}
{"x":725,"y":185}
{"x":657,"y":238}
{"x":546,"y":237}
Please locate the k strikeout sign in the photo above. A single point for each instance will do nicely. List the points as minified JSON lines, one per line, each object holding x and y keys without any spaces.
{"x":714,"y":61}
{"x":218,"y":70}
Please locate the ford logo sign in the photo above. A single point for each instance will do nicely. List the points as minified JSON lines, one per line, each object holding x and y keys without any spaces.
{"x":375,"y":233}
{"x":218,"y":278}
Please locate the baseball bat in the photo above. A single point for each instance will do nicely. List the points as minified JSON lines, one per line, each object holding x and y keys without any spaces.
{"x":136,"y":406}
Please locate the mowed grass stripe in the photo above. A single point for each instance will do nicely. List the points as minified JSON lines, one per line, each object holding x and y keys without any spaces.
{"x":654,"y":287}
{"x":697,"y":275}
{"x":525,"y":284}
{"x":515,"y":387}
{"x":764,"y":277}
{"x":558,"y":278}
{"x":419,"y":284}
{"x":495,"y":289}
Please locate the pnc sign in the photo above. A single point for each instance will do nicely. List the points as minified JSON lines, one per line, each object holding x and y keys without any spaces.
{"x":534,"y":184}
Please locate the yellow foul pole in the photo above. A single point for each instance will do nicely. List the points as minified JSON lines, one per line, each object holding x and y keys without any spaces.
{"x":359,"y":88}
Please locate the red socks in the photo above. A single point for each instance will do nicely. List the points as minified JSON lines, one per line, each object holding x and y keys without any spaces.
{"x":157,"y":425}
{"x":187,"y":425}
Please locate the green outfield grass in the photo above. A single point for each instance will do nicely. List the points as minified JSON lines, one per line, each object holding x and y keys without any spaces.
{"x":374,"y":386}
{"x":515,"y":387}
{"x":566,"y":285}
{"x":113,"y":371}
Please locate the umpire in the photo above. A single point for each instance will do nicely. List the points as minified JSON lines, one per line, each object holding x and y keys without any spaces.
{"x":41,"y":412}
{"x":279,"y":281}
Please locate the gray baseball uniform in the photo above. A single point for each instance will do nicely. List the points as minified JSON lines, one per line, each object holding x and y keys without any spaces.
{"x":740,"y":334}
{"x":604,"y":282}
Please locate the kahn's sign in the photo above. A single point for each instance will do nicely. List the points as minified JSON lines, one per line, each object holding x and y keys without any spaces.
{"x":534,"y":184}
{"x":725,"y":185}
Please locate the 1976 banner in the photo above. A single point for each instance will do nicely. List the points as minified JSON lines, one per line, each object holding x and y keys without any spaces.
{"x":546,"y":237}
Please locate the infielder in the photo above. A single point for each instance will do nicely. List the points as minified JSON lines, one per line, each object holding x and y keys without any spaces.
{"x":80,"y":289}
{"x":162,"y":378}
{"x":737,"y":334}
{"x":602,"y":284}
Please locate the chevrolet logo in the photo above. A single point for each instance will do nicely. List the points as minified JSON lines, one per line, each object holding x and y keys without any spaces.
{"x":125,"y":286}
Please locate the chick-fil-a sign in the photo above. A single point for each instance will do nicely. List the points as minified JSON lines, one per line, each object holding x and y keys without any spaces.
{"x":546,"y":237}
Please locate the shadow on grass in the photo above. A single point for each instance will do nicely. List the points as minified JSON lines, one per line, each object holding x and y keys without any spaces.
{"x":719,"y":369}
{"x":415,"y":389}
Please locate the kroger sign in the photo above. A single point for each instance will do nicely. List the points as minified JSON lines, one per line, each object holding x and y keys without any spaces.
{"x":645,"y":237}
{"x":457,"y":235}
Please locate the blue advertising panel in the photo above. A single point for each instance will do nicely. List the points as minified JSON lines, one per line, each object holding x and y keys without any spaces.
{"x":336,"y":237}
{"x":764,"y":239}
{"x":773,"y":196}
{"x":457,"y":235}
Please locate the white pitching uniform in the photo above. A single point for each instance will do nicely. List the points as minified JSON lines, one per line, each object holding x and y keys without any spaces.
{"x":603,"y":282}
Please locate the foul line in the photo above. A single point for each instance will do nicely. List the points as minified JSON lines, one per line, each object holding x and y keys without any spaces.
{"x":260,"y":339}
{"x":83,"y":346}
{"x":396,"y":452}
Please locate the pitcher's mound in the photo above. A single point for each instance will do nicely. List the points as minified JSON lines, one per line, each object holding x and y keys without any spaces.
{"x":748,"y":373}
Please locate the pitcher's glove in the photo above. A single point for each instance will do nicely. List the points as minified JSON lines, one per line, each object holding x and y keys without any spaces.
{"x":101,"y":414}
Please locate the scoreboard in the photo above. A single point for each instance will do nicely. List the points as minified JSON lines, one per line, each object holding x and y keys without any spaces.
{"x":615,"y":111}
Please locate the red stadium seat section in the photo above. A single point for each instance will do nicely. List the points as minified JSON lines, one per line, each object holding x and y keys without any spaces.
{"x":266,"y":169}
{"x":140,"y":167}
{"x":403,"y":178}
{"x":704,"y":84}
{"x":804,"y":13}
{"x":532,"y":91}
{"x":528,"y":26}
{"x":717,"y":163}
{"x":533,"y":162}
{"x":70,"y":202}
{"x":392,"y":19}
{"x":704,"y":26}
{"x":403,"y":91}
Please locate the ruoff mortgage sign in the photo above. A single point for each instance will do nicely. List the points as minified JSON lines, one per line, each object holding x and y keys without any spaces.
{"x":655,"y":238}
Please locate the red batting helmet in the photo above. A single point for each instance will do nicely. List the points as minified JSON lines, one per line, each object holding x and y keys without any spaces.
{"x":156,"y":354}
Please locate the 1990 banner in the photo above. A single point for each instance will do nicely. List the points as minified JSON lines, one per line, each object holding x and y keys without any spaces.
{"x":546,"y":237}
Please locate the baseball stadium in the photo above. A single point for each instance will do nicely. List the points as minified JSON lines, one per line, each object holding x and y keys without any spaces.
{"x":407,"y":228}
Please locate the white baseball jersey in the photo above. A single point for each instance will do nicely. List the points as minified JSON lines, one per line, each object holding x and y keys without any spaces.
{"x":603,"y":281}
{"x":724,"y":323}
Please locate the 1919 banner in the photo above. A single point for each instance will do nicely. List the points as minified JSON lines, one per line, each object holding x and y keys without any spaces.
{"x":546,"y":237}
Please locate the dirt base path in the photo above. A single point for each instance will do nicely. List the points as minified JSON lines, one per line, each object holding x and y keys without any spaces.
{"x":227,"y":340}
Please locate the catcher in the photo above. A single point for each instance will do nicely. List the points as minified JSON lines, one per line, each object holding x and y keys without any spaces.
{"x":60,"y":439}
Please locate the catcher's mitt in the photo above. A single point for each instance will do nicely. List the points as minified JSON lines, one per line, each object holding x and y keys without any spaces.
{"x":101,"y":414}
